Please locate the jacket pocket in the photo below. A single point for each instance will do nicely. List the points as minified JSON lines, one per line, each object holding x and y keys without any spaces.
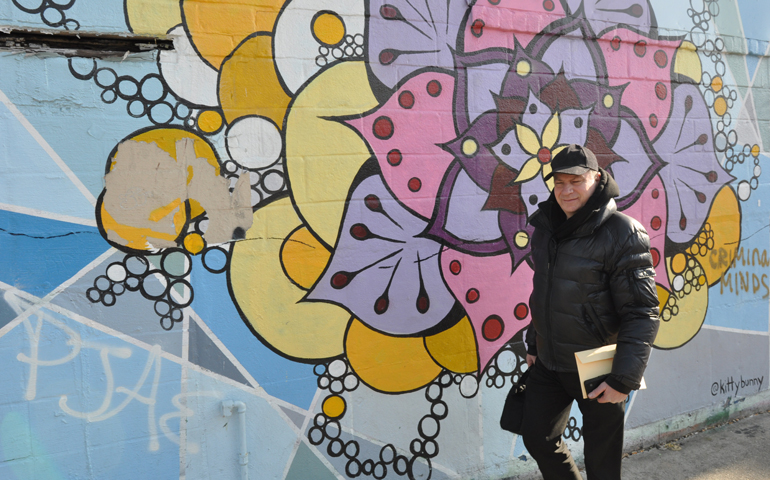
{"x":593,"y":324}
{"x":642,"y":282}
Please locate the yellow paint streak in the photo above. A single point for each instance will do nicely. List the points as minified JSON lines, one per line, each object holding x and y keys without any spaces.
{"x":190,"y":174}
{"x":320,"y":187}
{"x":304,"y":258}
{"x":217,"y":27}
{"x":248,"y":83}
{"x":135,"y":237}
{"x":386,"y":363}
{"x":161,"y":212}
{"x":270,"y":302}
{"x":166,"y":138}
{"x":455,"y":348}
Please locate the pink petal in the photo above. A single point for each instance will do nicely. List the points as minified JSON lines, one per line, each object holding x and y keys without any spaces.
{"x":495,"y":299}
{"x":646,"y":65}
{"x":650,"y":210}
{"x":494,"y":24}
{"x":405,"y":133}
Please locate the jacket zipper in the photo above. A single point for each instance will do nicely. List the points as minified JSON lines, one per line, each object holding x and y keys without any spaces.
{"x":551,"y":268}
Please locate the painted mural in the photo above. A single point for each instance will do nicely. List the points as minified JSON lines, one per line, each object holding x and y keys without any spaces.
{"x":320,"y":211}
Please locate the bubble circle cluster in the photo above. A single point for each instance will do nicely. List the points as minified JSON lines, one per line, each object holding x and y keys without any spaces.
{"x":147,"y":97}
{"x":166,"y":286}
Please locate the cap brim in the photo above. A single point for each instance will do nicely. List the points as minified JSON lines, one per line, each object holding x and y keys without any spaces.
{"x":576,"y":170}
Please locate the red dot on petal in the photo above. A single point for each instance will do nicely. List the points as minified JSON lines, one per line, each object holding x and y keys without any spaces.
{"x":423,"y":304}
{"x":434,"y":88}
{"x":640,"y":48}
{"x":389,"y":11}
{"x":455,"y":267}
{"x":549,"y":5}
{"x":373,"y":203}
{"x":656,"y":223}
{"x":521,"y":311}
{"x":661,"y":59}
{"x":394,"y":157}
{"x":615,"y":43}
{"x":406,"y":99}
{"x":653,"y":120}
{"x":655,"y":193}
{"x":387,"y":57}
{"x":383,"y":128}
{"x":381,"y":305}
{"x":472,"y":295}
{"x":414,"y":184}
{"x":661,"y":91}
{"x":477,"y":27}
{"x":340,"y":279}
{"x":359,"y":231}
{"x":492,"y":328}
{"x":636,"y":10}
{"x":712,"y":176}
{"x":655,"y":256}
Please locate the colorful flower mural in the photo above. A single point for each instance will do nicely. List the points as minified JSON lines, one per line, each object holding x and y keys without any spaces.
{"x":363,"y":174}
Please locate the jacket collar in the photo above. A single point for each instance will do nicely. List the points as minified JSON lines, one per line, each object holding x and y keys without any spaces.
{"x":597,"y":210}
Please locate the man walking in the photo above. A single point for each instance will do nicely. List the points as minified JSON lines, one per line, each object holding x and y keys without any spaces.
{"x":594,"y":285}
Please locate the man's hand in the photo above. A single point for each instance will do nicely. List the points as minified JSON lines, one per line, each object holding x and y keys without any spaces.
{"x":606,"y":394}
{"x":531,"y":360}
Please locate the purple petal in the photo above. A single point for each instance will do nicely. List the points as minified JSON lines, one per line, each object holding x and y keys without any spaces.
{"x":571,"y":55}
{"x":603,"y":15}
{"x":405,"y":35}
{"x":466,"y":218}
{"x":481,"y":164}
{"x":693,"y":175}
{"x":466,"y":94}
{"x":513,"y":224}
{"x":381,"y":270}
{"x":437,"y":224}
{"x":634,"y":161}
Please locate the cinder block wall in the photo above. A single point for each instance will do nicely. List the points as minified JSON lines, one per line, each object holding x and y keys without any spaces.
{"x":290,"y":239}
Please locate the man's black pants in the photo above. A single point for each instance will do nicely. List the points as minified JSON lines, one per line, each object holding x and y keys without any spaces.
{"x":547,"y":407}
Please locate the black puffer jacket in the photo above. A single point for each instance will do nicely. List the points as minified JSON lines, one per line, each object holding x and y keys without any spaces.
{"x":594,"y":285}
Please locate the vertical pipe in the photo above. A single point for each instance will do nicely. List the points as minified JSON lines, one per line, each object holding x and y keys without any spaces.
{"x":243,"y":456}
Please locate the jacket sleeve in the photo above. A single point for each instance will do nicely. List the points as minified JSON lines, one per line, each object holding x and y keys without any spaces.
{"x":634,"y":294}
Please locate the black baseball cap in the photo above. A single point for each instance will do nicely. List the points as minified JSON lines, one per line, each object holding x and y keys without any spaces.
{"x":575,"y":160}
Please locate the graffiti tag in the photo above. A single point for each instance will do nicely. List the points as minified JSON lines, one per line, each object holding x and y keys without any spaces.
{"x":731,"y":385}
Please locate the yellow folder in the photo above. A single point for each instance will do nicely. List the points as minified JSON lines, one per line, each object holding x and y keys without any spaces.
{"x":595,"y":363}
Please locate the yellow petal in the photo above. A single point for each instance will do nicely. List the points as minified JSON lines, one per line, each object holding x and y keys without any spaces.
{"x":529,"y":170}
{"x":455,"y":348}
{"x":249,"y":85}
{"x":546,"y":170}
{"x":304,"y":258}
{"x":551,"y":131}
{"x":528,"y":139}
{"x":323,"y":156}
{"x":386,"y":363}
{"x":271,"y":302}
{"x":153,"y":17}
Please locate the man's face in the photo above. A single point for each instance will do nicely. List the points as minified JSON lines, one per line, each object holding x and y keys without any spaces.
{"x":573,"y":191}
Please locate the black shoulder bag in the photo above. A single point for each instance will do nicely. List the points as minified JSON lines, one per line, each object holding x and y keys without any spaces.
{"x":513,"y":410}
